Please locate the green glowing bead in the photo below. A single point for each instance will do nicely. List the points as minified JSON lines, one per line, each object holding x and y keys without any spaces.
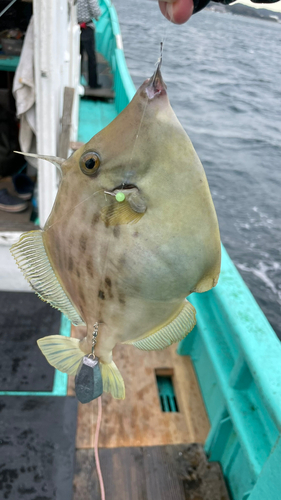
{"x":120,"y":197}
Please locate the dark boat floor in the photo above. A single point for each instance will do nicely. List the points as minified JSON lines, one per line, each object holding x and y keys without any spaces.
{"x":174,"y":472}
{"x":142,"y":455}
{"x":37,"y":433}
{"x":24,"y":318}
{"x":37,"y":447}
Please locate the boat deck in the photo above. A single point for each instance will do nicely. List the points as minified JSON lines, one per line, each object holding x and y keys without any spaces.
{"x":47,"y":442}
{"x":147,"y":453}
{"x":139,"y":419}
{"x":173,"y":472}
{"x":93,"y":117}
{"x":97,"y":109}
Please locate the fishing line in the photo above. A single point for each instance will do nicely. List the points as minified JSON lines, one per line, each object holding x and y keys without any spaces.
{"x":159,"y":62}
{"x":99,"y":419}
{"x":96,"y":441}
{"x":145,"y":107}
{"x":71,"y":210}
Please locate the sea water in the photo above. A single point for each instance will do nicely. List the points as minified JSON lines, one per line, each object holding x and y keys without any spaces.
{"x":223,"y":74}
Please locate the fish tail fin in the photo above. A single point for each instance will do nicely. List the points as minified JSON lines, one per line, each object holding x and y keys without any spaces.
{"x":112,"y":380}
{"x":62,"y":352}
{"x":65,"y":355}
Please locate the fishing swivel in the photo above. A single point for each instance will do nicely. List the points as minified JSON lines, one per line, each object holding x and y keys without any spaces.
{"x":88,"y":379}
{"x":94,"y":340}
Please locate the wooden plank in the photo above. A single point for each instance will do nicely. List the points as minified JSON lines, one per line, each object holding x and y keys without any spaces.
{"x":139,"y":420}
{"x":178,"y":472}
{"x":122,"y":470}
{"x":66,"y":122}
{"x":102,"y":93}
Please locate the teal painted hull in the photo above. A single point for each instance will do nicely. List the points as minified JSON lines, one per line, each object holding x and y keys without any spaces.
{"x":237,"y":359}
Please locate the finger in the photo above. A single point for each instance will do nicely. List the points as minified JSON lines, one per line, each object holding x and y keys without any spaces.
{"x":178,"y":11}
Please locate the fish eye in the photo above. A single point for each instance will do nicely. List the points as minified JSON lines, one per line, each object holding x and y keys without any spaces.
{"x":89,"y":163}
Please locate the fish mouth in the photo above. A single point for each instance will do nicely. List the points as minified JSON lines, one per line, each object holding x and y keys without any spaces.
{"x":125,"y":186}
{"x":133,"y":196}
{"x":122,"y":187}
{"x":156,"y":85}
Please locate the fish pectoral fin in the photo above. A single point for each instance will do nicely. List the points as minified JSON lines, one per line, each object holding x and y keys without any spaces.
{"x":112,"y":380}
{"x":62,"y":352}
{"x":117,"y":214}
{"x":31,"y":257}
{"x":171,"y":333}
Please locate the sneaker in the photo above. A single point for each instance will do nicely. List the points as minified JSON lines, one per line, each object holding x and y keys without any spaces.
{"x":10,"y":203}
{"x":24,"y":186}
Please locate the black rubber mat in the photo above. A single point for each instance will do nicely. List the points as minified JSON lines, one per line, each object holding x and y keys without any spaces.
{"x":37,"y":447}
{"x":24,"y":318}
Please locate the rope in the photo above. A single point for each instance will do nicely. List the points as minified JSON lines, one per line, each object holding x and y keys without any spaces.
{"x":96,"y":449}
{"x":7,"y":7}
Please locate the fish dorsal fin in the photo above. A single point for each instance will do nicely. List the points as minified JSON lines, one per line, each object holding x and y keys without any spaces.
{"x":171,"y":333}
{"x":117,"y":214}
{"x":31,"y":257}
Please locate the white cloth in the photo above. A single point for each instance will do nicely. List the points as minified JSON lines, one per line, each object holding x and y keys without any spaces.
{"x":24,"y":94}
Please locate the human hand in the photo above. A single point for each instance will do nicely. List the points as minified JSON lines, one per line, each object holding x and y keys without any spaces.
{"x":177,"y":11}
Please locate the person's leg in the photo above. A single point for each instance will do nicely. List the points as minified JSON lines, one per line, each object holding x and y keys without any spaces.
{"x":82,"y":49}
{"x":88,"y":42}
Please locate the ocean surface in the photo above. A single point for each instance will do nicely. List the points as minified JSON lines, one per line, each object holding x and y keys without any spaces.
{"x":223,"y":74}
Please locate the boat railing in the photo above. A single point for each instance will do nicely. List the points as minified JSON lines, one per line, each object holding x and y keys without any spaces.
{"x":109,"y":44}
{"x":237,"y":359}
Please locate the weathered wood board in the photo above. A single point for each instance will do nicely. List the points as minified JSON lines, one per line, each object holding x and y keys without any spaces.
{"x":178,"y":472}
{"x":139,"y":420}
{"x":66,"y":124}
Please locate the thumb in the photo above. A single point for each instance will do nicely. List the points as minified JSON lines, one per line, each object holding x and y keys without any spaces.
{"x":177,"y":11}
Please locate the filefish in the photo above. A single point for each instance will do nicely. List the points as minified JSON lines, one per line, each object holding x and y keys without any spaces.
{"x":133,"y":231}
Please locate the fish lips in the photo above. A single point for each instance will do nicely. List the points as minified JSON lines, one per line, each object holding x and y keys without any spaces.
{"x":155,"y":86}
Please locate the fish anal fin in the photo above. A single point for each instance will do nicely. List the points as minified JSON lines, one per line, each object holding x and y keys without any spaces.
{"x":62,"y":352}
{"x":173,"y":332}
{"x":32,"y":259}
{"x":117,"y":214}
{"x":112,"y":380}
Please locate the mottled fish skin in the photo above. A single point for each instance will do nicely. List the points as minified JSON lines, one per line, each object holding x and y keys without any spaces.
{"x":133,"y":277}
